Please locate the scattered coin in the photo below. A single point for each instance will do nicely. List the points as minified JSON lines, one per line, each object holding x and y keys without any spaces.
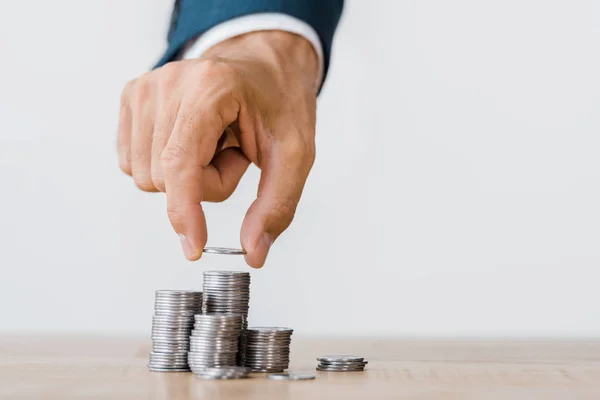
{"x":291,"y":376}
{"x":223,"y":373}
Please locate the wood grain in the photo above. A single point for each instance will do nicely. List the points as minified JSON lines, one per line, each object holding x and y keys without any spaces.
{"x":62,"y":367}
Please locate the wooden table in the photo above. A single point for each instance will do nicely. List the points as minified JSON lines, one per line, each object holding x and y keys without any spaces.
{"x":115,"y":368}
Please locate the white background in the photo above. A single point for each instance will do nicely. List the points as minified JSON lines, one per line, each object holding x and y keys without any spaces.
{"x":456,"y":189}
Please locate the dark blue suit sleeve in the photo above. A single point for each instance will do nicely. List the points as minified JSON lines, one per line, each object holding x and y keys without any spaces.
{"x":191,"y":18}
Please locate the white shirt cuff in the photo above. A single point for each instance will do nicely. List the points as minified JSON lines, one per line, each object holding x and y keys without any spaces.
{"x":252,"y":23}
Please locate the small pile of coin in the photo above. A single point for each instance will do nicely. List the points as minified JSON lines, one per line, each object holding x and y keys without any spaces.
{"x":228,"y":292}
{"x":171,"y":326}
{"x":267,"y":348}
{"x":341,"y":363}
{"x":214,"y":341}
{"x":223,"y":373}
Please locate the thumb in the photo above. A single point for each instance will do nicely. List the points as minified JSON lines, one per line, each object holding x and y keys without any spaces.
{"x":285,"y":168}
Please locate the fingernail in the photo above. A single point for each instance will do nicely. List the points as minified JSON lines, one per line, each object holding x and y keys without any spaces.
{"x":264,"y":244}
{"x":188,"y":250}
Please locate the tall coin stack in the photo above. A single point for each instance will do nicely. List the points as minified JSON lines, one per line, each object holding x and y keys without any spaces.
{"x":214,"y":341}
{"x":267,"y":349}
{"x":171,"y":327}
{"x":228,"y":292}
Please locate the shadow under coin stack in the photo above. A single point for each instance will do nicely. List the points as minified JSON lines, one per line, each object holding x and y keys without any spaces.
{"x":341,"y":363}
{"x":214,"y":341}
{"x":171,"y":327}
{"x":228,"y":292}
{"x":267,"y":349}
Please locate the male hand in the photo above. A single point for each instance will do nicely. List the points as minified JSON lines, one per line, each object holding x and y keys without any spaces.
{"x":260,"y":88}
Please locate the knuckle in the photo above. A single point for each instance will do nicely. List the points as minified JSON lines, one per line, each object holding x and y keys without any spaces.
{"x":168,"y":75}
{"x":144,"y":182}
{"x":143,"y":87}
{"x":284,"y":210}
{"x":300,"y":151}
{"x":211,"y":70}
{"x":173,"y":157}
{"x":170,"y":69}
{"x":176,"y":214}
{"x":158,"y":181}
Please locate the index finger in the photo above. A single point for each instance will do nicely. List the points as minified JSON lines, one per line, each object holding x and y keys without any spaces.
{"x":189,"y":149}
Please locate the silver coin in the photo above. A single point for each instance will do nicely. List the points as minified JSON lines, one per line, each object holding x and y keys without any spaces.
{"x":268,"y":370}
{"x":342,"y":364}
{"x":195,"y":355}
{"x":169,"y":356}
{"x":156,"y":354}
{"x":166,"y":292}
{"x":210,"y":355}
{"x":168,"y":365}
{"x":267,"y":351}
{"x":224,"y":250}
{"x":229,"y":277}
{"x":172,"y":328}
{"x":164,"y":320}
{"x":213,"y":350}
{"x":167,"y":350}
{"x":291,"y":376}
{"x":224,"y":377}
{"x":340,"y":358}
{"x":226,"y":370}
{"x":173,"y":317}
{"x":169,"y":361}
{"x":237,"y":325}
{"x":347,"y":369}
{"x":196,"y":348}
{"x":207,"y":361}
{"x":170,"y":347}
{"x":234,"y":319}
{"x":158,"y":369}
{"x":270,"y":329}
{"x":226,"y":273}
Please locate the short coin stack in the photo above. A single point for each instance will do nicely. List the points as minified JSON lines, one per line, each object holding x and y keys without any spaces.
{"x":228,"y":292}
{"x":341,"y":363}
{"x":214,"y":341}
{"x":223,"y":373}
{"x":267,"y":349}
{"x":171,"y":326}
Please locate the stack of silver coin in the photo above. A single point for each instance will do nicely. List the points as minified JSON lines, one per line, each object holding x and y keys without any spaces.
{"x":214,"y":341}
{"x":341,"y":363}
{"x":223,"y":373}
{"x":267,"y":349}
{"x":228,"y":292}
{"x":171,"y":326}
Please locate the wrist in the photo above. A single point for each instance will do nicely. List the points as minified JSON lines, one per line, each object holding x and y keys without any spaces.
{"x":277,"y":50}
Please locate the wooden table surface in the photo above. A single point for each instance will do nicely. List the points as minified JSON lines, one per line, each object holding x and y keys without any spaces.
{"x":115,"y":368}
